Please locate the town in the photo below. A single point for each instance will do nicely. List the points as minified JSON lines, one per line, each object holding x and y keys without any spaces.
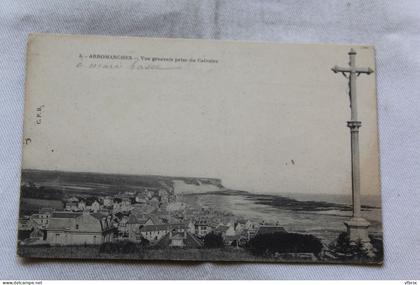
{"x":153,"y":217}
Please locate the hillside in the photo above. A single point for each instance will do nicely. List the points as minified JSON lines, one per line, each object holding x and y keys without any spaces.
{"x":200,"y":187}
{"x":86,"y":181}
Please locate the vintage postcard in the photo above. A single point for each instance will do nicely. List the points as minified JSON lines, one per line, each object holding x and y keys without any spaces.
{"x":205,"y":150}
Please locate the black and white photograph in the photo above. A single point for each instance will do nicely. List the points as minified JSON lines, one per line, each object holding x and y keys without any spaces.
{"x":199,"y":150}
{"x":213,"y":141}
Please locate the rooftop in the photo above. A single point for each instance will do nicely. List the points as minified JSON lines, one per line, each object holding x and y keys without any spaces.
{"x":133,"y":220}
{"x":221,"y":229}
{"x":154,"y":228}
{"x":66,"y":215}
{"x":270,"y":229}
{"x":46,"y":210}
{"x":98,"y":216}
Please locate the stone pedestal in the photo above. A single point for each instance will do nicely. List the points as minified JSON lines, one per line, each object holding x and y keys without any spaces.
{"x":357,"y":229}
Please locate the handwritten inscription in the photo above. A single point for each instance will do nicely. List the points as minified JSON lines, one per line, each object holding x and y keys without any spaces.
{"x":115,"y":62}
{"x":137,"y":65}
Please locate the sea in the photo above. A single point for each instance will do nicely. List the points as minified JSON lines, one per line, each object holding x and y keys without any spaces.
{"x":325,"y":224}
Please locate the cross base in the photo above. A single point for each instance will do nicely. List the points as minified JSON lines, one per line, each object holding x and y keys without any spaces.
{"x":357,"y":230}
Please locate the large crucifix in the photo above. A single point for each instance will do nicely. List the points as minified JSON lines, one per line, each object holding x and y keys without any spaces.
{"x":357,"y":226}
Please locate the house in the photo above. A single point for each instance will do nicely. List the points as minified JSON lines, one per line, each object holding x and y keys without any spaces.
{"x":24,"y":224}
{"x":105,"y":212}
{"x":107,"y":201}
{"x":202,"y":227}
{"x":133,"y":227}
{"x":166,"y":218}
{"x":162,"y":193}
{"x":122,"y":227}
{"x":34,"y":225}
{"x":221,"y":229}
{"x":250,"y":229}
{"x":128,"y":226}
{"x":46,"y":211}
{"x":129,"y":194}
{"x":125,"y":202}
{"x":151,"y":221}
{"x":116,"y":205}
{"x":72,"y":204}
{"x":40,"y":220}
{"x":154,"y":202}
{"x":231,"y":230}
{"x":191,"y":227}
{"x":179,"y":228}
{"x":141,"y":209}
{"x":164,"y":201}
{"x":164,"y":196}
{"x":141,"y":198}
{"x":233,"y":240}
{"x":250,"y":225}
{"x":228,"y":233}
{"x":175,"y":239}
{"x":116,"y":208}
{"x":94,"y":207}
{"x":81,"y":205}
{"x":239,"y":227}
{"x":38,"y":225}
{"x":153,"y":233}
{"x":73,"y":199}
{"x":149,"y":194}
{"x":121,"y":205}
{"x":115,"y":221}
{"x":76,"y":228}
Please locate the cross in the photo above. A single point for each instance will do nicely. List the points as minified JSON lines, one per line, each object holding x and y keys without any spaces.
{"x":351,"y":73}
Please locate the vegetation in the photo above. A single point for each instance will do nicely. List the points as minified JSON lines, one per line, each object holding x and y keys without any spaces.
{"x":378,"y":246}
{"x":348,"y":249}
{"x":29,"y":206}
{"x":344,"y":249}
{"x":52,"y":188}
{"x":272,"y":243}
{"x":110,"y":183}
{"x":122,"y":247}
{"x":24,"y":234}
{"x":93,"y":251}
{"x":213,"y":240}
{"x":42,"y":192}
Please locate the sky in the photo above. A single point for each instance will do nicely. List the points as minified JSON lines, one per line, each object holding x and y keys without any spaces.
{"x":264,"y":118}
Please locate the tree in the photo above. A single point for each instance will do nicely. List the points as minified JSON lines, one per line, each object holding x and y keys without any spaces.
{"x":128,"y":247}
{"x":213,"y":240}
{"x":24,"y":234}
{"x":144,"y":242}
{"x":378,"y":245}
{"x":344,"y":249}
{"x":109,"y":247}
{"x":280,"y":242}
